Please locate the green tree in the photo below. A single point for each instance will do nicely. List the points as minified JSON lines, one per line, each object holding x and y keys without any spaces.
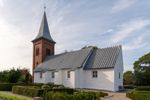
{"x":142,"y":70}
{"x":128,"y":77}
{"x":16,"y":75}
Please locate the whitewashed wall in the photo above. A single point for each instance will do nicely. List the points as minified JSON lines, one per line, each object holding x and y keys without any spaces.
{"x":118,"y":69}
{"x":37,"y":78}
{"x":104,"y":81}
{"x":68,"y":82}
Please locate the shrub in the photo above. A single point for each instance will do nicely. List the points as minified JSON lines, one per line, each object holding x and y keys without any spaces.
{"x":30,"y":91}
{"x":45,"y":86}
{"x":143,"y":88}
{"x":139,"y":95}
{"x":57,"y":96}
{"x":6,"y":86}
{"x":76,"y":96}
{"x":129,"y":86}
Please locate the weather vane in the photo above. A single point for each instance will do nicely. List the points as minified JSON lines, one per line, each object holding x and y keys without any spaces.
{"x":44,"y":5}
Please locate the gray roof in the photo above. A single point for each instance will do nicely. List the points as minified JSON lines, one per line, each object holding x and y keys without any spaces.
{"x":103,"y":58}
{"x":88,"y":58}
{"x":44,"y":30}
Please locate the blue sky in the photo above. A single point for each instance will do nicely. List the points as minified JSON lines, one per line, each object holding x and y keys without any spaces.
{"x":74,"y":24}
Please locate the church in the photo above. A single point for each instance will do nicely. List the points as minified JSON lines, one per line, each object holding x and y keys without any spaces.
{"x":88,"y":68}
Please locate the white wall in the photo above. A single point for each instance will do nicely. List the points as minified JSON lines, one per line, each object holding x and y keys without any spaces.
{"x":119,"y":69}
{"x":37,"y":78}
{"x":104,"y":81}
{"x":68,"y":82}
{"x":60,"y":78}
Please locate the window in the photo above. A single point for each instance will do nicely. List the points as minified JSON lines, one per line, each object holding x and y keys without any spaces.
{"x":119,"y":75}
{"x":68,"y":74}
{"x":94,"y":74}
{"x":48,"y":52}
{"x":37,"y":51}
{"x":37,"y":63}
{"x":41,"y":74}
{"x":53,"y":74}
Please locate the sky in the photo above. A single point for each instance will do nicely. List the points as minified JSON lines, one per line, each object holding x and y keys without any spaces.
{"x":74,"y":24}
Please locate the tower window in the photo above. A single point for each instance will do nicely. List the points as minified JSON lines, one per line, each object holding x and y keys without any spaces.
{"x":48,"y":52}
{"x":37,"y":51}
{"x":119,"y":75}
{"x":53,"y":74}
{"x":68,"y":74}
{"x":37,"y":63}
{"x":94,"y":74}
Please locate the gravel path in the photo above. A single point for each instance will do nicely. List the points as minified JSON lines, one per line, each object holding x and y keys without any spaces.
{"x":10,"y":93}
{"x":116,"y":96}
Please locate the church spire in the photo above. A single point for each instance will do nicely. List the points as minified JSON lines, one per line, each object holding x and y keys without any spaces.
{"x":44,"y":29}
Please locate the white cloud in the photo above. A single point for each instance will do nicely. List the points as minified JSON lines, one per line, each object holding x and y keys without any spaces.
{"x":135,"y":44}
{"x":121,"y":5}
{"x":126,"y":29}
{"x":1,"y":3}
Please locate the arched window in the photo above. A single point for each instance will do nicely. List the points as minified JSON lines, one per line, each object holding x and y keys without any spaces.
{"x":37,"y":51}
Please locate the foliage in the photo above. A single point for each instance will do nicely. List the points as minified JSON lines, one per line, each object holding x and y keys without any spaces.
{"x":9,"y":97}
{"x":138,"y":95}
{"x":129,"y":86}
{"x":6,"y":86}
{"x":76,"y":96}
{"x":30,"y":91}
{"x":45,"y":86}
{"x":143,"y":88}
{"x":142,"y":70}
{"x":128,"y":77}
{"x":15,"y":76}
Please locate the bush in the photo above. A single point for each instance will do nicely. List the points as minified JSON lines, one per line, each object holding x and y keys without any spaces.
{"x":75,"y":96}
{"x":31,"y":91}
{"x":57,"y":96}
{"x":139,"y":95}
{"x":143,"y":88}
{"x":129,"y":86}
{"x":45,"y":86}
{"x":6,"y":86}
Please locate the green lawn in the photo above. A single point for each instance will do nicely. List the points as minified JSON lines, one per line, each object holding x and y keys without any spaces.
{"x":11,"y":97}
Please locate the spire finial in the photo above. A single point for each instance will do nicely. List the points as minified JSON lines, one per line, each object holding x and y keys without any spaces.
{"x":44,"y":6}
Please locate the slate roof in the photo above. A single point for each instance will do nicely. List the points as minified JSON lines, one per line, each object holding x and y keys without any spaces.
{"x":44,"y":30}
{"x":88,"y":58}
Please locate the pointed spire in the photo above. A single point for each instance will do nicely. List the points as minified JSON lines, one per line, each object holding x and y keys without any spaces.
{"x":44,"y":30}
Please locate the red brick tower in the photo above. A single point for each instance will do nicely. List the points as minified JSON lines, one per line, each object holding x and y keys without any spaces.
{"x":43,"y":44}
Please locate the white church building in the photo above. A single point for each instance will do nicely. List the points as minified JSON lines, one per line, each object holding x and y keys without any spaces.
{"x":90,"y":67}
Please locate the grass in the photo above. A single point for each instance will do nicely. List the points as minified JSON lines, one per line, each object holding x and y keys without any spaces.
{"x":11,"y":97}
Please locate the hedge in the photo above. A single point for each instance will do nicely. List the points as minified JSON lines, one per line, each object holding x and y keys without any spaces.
{"x":129,"y":86}
{"x":31,"y":91}
{"x":8,"y":86}
{"x":143,"y":88}
{"x":76,"y":96}
{"x":138,"y":95}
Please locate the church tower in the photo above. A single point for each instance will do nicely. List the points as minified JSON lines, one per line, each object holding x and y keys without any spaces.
{"x":43,"y":44}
